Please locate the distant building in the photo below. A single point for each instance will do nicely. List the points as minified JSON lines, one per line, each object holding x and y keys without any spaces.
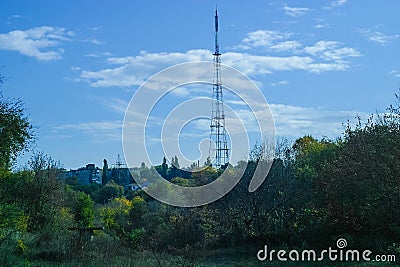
{"x":86,"y":175}
{"x":119,"y":173}
{"x":91,"y":174}
{"x":120,"y":176}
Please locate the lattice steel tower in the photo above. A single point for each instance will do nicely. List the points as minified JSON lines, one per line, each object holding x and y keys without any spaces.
{"x":219,"y":153}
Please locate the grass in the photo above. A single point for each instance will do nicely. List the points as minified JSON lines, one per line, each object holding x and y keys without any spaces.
{"x":229,"y":257}
{"x":147,"y":259}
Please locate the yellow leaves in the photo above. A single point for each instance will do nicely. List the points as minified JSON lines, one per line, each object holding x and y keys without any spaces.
{"x":22,"y":223}
{"x":13,"y":217}
{"x":21,"y":247}
{"x":117,"y":214}
{"x":137,"y":201}
{"x":173,"y":218}
{"x":65,"y":213}
{"x":123,"y":202}
{"x":121,"y":205}
{"x":108,"y":217}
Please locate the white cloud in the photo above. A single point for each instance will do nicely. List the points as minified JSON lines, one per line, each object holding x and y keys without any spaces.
{"x":376,"y":36}
{"x":101,"y":131}
{"x":195,"y":89}
{"x":36,"y":42}
{"x":395,"y":73}
{"x":333,"y":55}
{"x":286,"y":46}
{"x":296,"y":11}
{"x":95,"y":28}
{"x":320,"y":47}
{"x":338,"y":2}
{"x":335,"y":3}
{"x":16,"y":16}
{"x":93,"y":41}
{"x":134,"y":70}
{"x":262,"y":38}
{"x":101,"y":54}
{"x":319,"y":57}
{"x":322,"y":26}
{"x":294,"y":121}
{"x":92,"y":126}
{"x":381,"y":38}
{"x":280,"y":83}
{"x":254,"y":64}
{"x":331,"y":51}
{"x":117,"y":105}
{"x":290,"y":121}
{"x":235,"y":102}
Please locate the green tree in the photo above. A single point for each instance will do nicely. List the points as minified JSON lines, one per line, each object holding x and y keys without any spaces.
{"x":15,"y":130}
{"x":83,"y":210}
{"x":139,"y":209}
{"x":32,"y":200}
{"x":205,"y":176}
{"x":38,"y":190}
{"x":310,"y":159}
{"x":109,"y":192}
{"x":180,"y":181}
{"x":208,"y":162}
{"x":13,"y":229}
{"x":164,"y":168}
{"x":115,"y":216}
{"x":176,"y":162}
{"x":311,"y":156}
{"x":104,"y":178}
{"x":361,"y":185}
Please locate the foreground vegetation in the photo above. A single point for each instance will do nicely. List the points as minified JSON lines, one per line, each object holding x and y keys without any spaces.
{"x":316,"y":192}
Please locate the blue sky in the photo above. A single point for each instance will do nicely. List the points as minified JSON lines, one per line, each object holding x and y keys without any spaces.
{"x":77,"y":64}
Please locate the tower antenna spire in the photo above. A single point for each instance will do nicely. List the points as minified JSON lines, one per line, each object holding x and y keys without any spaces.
{"x":216,"y":32}
{"x":219,"y":153}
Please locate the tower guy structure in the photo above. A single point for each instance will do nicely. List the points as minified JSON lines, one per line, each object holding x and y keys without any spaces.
{"x":219,"y":153}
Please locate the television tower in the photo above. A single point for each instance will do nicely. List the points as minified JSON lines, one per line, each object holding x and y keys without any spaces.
{"x":220,"y":154}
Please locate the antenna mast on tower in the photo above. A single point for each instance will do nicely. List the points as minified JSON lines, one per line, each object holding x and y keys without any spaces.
{"x":220,"y":154}
{"x":118,"y":169}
